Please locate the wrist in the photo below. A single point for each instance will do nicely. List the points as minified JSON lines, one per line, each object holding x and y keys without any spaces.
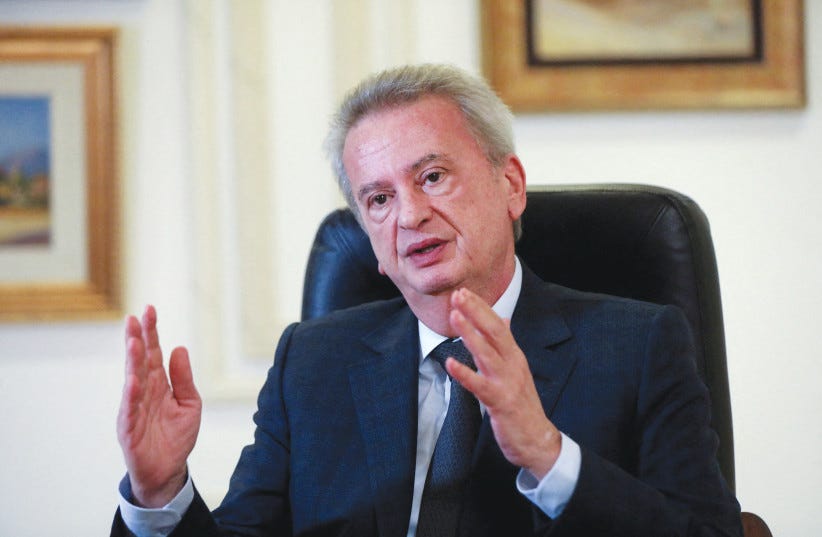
{"x":160,"y":496}
{"x":546,"y":453}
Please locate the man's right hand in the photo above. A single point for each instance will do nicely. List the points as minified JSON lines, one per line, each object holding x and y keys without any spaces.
{"x":158,"y":423}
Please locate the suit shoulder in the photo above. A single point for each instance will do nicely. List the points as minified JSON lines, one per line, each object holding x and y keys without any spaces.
{"x":323,"y":347}
{"x":596,"y":314}
{"x":363,"y":315}
{"x":572,"y":300}
{"x":343,"y":328}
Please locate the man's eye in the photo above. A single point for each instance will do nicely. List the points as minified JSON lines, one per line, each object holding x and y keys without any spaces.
{"x":433,"y":177}
{"x":379,"y":199}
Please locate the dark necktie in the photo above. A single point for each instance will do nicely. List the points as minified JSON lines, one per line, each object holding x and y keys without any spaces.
{"x":451,"y":463}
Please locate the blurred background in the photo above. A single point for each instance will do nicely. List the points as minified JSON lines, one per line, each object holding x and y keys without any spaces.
{"x":222,"y":109}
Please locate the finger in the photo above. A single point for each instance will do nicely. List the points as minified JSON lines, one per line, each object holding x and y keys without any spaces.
{"x":132,"y":328}
{"x":133,"y":331}
{"x":151,"y":337}
{"x":482,"y":318}
{"x":150,"y":327}
{"x":135,"y":375}
{"x":182,"y":380}
{"x":147,"y":369}
{"x":133,"y":387}
{"x":469,"y":379}
{"x":129,"y":405}
{"x":136,"y":357}
{"x":485,"y":355}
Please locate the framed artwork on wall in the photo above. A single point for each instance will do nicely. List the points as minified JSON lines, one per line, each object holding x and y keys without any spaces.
{"x":563,"y":55}
{"x":59,"y":198}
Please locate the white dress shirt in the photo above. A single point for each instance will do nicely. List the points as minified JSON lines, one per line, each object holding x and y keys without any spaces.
{"x":550,"y":495}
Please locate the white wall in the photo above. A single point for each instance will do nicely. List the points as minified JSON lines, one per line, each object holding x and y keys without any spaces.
{"x":752,"y":172}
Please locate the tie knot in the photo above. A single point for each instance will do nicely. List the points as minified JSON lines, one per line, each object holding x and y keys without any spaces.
{"x":454,"y":348}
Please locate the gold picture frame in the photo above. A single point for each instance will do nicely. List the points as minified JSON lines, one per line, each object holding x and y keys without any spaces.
{"x":72,"y":70}
{"x":772,"y":77}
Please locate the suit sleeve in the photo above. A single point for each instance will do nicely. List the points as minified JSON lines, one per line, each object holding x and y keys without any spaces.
{"x":257,"y":500}
{"x":197,"y":520}
{"x":678,"y":489}
{"x":256,"y":504}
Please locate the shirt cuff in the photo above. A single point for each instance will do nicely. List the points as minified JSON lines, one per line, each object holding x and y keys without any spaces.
{"x":154,"y":522}
{"x":552,"y":494}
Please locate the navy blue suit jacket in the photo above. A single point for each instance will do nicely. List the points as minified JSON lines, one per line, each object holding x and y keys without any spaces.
{"x":334,"y":448}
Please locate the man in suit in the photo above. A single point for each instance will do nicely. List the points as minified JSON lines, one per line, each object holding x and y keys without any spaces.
{"x":582,"y":414}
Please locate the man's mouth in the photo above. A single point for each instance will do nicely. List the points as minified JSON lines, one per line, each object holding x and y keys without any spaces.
{"x":426,"y":249}
{"x":423,"y":247}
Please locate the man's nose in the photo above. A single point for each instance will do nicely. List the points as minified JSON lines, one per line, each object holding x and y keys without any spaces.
{"x":415,"y":208}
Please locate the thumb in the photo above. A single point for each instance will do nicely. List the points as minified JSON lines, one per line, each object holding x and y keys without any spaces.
{"x":182,"y":380}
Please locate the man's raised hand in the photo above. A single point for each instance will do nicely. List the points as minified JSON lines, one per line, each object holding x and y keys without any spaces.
{"x":503,"y":383}
{"x":158,"y":422}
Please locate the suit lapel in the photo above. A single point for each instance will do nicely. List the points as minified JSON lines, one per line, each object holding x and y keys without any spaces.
{"x":384,"y":388}
{"x":539,"y":328}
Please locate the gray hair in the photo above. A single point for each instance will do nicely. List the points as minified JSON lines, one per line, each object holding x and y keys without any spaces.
{"x":486,"y":116}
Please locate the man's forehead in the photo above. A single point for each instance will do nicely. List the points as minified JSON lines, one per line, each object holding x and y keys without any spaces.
{"x":407,"y":141}
{"x":424,"y":108}
{"x":433,"y":118}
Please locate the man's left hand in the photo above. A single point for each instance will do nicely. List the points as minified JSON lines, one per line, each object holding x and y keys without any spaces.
{"x":504,"y":384}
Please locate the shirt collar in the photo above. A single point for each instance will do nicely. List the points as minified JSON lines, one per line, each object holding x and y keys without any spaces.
{"x":504,"y":307}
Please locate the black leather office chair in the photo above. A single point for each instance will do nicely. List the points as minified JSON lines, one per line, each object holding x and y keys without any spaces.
{"x":637,"y":241}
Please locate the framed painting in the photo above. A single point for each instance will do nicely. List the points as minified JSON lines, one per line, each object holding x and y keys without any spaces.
{"x":563,"y":55}
{"x":59,"y":222}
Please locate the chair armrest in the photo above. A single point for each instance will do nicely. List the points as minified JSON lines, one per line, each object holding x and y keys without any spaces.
{"x":753,"y":526}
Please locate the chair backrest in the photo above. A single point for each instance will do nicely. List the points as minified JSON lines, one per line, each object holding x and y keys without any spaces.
{"x":636,"y":241}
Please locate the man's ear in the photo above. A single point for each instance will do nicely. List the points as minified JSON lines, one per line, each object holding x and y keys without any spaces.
{"x":514,"y":175}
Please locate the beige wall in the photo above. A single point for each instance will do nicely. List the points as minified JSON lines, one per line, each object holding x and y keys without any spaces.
{"x":197,"y":148}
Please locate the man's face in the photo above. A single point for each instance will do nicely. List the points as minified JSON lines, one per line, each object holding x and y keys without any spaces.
{"x":438,"y":214}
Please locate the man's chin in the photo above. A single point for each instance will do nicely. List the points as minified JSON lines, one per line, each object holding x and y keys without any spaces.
{"x":432,"y":287}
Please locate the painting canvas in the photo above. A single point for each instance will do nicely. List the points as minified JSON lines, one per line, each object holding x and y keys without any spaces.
{"x":25,"y":171}
{"x":606,"y":31}
{"x":568,"y":55}
{"x":58,"y":176}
